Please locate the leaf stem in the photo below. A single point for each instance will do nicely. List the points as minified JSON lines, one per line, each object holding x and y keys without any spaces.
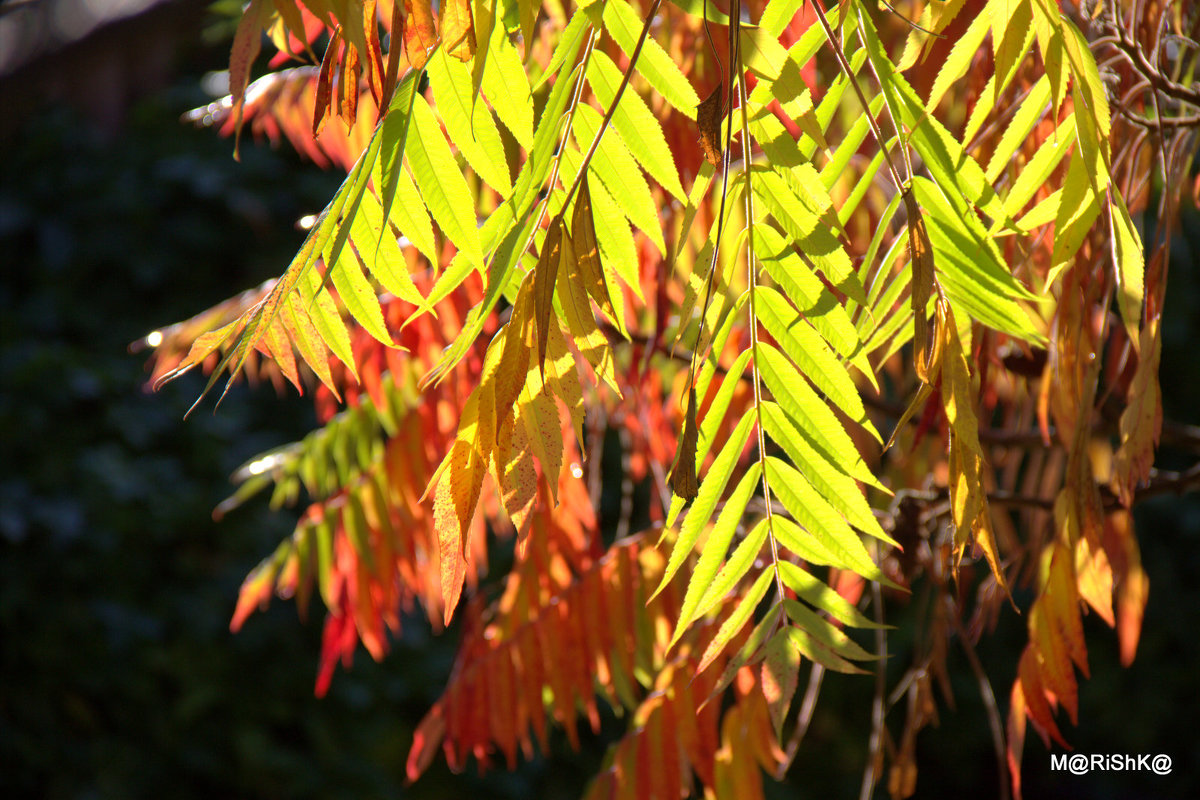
{"x":752,"y":280}
{"x":844,"y":63}
{"x":612,"y":109}
{"x":576,"y":93}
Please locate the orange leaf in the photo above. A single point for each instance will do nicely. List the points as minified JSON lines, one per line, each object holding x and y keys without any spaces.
{"x":1133,"y":585}
{"x":458,"y":29}
{"x":1141,"y":421}
{"x":247,"y":41}
{"x":1029,"y":674}
{"x":419,"y":33}
{"x":968,"y":500}
{"x":324,"y":101}
{"x":1016,"y":736}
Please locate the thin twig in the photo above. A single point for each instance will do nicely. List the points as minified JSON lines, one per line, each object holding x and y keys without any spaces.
{"x":877,"y":704}
{"x":989,"y":699}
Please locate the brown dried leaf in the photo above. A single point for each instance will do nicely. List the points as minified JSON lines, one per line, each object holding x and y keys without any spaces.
{"x":709,"y":114}
{"x":1141,"y":421}
{"x":920,"y":253}
{"x":683,"y":473}
{"x":555,"y":248}
{"x":587,"y":253}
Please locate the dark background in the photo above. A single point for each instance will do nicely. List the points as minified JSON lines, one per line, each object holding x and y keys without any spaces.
{"x":118,"y":675}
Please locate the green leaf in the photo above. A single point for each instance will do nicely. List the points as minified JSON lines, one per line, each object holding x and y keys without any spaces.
{"x":1011,"y":37}
{"x":569,"y":41}
{"x":1130,"y":266}
{"x":825,"y":537}
{"x":713,"y":482}
{"x":389,"y":170}
{"x":380,"y":252}
{"x":962,"y":55}
{"x":835,"y":487}
{"x":736,"y":568}
{"x":812,"y":416}
{"x":502,"y":232}
{"x":816,"y":242}
{"x":817,"y":593}
{"x":613,"y":166}
{"x":762,"y":53}
{"x":1037,"y":172}
{"x":507,"y":87}
{"x":818,"y":652}
{"x":1032,"y":108}
{"x":441,"y":183}
{"x":737,"y":620}
{"x":625,"y":26}
{"x":970,"y":267}
{"x":325,"y":318}
{"x":810,"y":296}
{"x":824,"y":632}
{"x":712,"y":554}
{"x":948,"y":163}
{"x":469,"y":123}
{"x":807,"y":351}
{"x":357,"y":294}
{"x":1078,"y":208}
{"x":639,"y":128}
{"x":713,"y":418}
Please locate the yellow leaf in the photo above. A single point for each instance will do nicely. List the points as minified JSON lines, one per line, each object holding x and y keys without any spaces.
{"x":458,"y":480}
{"x":515,"y":472}
{"x":562,"y":379}
{"x":554,"y":249}
{"x":587,"y":254}
{"x":1094,"y":577}
{"x":539,"y":413}
{"x":514,"y":353}
{"x":589,"y":339}
{"x":458,"y":30}
{"x":968,"y":500}
{"x":1130,"y":267}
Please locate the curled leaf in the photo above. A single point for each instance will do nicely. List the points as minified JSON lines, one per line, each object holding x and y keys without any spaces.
{"x":709,"y":114}
{"x":920,"y":253}
{"x":458,"y":30}
{"x":587,"y":252}
{"x":683,"y":474}
{"x":545,"y":275}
